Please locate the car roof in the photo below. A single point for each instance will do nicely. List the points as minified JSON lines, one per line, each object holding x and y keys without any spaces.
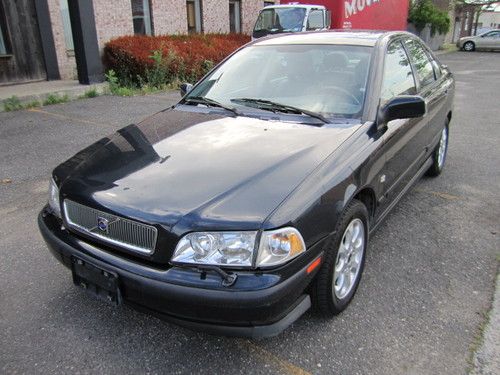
{"x":349,"y":37}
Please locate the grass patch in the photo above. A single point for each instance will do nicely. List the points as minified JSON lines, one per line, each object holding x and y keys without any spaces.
{"x":90,"y":93}
{"x":12,"y":104}
{"x":55,"y":99}
{"x":448,"y":47}
{"x":116,"y":88}
{"x":32,"y":104}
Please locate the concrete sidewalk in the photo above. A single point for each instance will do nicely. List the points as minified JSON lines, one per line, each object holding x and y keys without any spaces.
{"x":39,"y":91}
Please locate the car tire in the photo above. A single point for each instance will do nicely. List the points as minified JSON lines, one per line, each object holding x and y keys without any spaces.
{"x":329,"y":295}
{"x":469,"y":46}
{"x":439,"y":153}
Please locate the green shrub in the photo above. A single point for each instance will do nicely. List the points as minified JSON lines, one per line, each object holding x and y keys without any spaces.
{"x":33,"y":104}
{"x":114,"y":85}
{"x":55,"y":99}
{"x":91,"y":93}
{"x":124,"y":91}
{"x":12,"y":104}
{"x":424,"y":12}
{"x":157,"y":75}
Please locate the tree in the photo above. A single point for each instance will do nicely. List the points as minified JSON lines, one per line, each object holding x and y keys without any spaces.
{"x":424,"y":12}
{"x":475,"y":7}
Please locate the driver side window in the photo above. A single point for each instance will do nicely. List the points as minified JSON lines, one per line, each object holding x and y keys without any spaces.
{"x":398,"y":77}
{"x":315,"y":20}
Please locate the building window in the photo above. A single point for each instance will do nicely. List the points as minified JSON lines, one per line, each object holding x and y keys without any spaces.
{"x":194,"y":16}
{"x":5,"y":48}
{"x":267,"y":3}
{"x":141,"y":17}
{"x":235,"y":16}
{"x":68,"y":35}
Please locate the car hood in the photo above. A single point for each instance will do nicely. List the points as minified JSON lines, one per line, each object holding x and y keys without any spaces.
{"x":198,"y":171}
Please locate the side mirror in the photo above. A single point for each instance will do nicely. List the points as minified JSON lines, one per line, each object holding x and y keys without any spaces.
{"x":185,"y":88}
{"x":401,"y":107}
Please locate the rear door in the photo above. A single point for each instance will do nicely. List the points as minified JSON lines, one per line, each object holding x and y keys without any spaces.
{"x":489,"y":40}
{"x":494,"y":40}
{"x":433,"y":87}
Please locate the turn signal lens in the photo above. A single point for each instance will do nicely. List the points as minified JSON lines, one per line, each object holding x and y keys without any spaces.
{"x":279,"y":246}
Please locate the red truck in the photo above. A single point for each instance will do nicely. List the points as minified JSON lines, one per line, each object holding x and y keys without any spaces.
{"x":336,"y":14}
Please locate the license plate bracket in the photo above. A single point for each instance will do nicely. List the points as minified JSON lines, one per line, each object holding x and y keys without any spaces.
{"x":100,"y":283}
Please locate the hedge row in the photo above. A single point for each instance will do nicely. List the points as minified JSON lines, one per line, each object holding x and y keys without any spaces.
{"x":139,"y":59}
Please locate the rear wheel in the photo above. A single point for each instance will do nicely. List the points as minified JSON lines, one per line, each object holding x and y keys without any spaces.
{"x":343,"y":263}
{"x":439,"y":154}
{"x":469,"y":46}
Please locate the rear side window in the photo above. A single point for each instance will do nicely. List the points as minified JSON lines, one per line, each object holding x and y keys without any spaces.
{"x":421,"y":61}
{"x":493,"y":34}
{"x":398,"y":77}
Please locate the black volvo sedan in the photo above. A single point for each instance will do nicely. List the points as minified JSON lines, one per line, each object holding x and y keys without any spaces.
{"x":254,"y":197}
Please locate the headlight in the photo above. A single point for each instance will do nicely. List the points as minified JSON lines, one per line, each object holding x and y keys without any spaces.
{"x":237,"y":248}
{"x":216,"y":248}
{"x":279,"y":246}
{"x":54,"y":198}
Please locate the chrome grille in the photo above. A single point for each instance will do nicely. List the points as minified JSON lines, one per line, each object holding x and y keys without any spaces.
{"x":110,"y":228}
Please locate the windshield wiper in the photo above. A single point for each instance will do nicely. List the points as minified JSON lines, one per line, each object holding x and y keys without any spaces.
{"x":268,"y":105}
{"x":210,"y":103}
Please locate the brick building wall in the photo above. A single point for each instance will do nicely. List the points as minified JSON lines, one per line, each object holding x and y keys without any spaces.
{"x":169,"y":16}
{"x":114,"y":19}
{"x":215,"y":16}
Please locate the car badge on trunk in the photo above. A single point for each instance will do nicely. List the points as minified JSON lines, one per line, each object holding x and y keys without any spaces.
{"x":103,"y":224}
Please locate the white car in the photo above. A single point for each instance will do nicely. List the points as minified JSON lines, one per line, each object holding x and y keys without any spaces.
{"x":489,"y":40}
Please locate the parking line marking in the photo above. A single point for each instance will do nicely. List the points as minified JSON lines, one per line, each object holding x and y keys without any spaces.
{"x":267,"y":356}
{"x":64,"y":117}
{"x":439,"y":194}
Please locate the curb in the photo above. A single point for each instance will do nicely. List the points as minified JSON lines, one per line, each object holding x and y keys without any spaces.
{"x":71,"y":94}
{"x":487,"y":357}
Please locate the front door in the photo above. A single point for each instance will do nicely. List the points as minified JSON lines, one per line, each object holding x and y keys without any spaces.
{"x":402,"y":153}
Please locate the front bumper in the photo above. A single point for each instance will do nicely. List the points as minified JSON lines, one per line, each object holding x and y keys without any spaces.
{"x":257,"y":305}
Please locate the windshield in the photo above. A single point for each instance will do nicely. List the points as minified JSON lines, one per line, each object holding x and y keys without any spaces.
{"x":279,"y":20}
{"x":326,"y":79}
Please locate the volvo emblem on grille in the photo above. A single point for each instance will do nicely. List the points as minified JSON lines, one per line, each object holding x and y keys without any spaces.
{"x":103,"y":224}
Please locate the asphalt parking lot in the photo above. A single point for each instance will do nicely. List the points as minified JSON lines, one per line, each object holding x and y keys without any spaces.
{"x":428,"y":281}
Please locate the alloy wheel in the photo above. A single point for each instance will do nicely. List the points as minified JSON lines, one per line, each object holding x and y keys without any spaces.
{"x":349,"y":257}
{"x":468,"y":46}
{"x":443,"y":144}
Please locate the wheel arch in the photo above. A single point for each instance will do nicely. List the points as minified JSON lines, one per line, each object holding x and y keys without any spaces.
{"x":367,"y":196}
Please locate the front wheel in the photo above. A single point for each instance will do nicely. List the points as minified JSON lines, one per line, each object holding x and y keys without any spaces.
{"x":439,"y":154}
{"x":469,"y":46}
{"x":343,"y":263}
